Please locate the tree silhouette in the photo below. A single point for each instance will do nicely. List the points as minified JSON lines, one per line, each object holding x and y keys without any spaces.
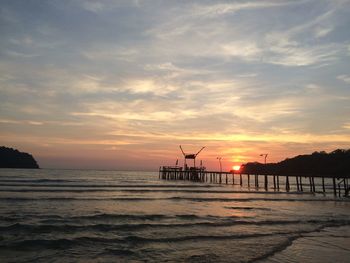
{"x":12,"y":158}
{"x":336,"y":163}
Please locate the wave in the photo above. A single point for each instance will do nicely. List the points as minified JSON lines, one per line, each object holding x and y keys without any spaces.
{"x":110,"y":185}
{"x":124,"y":216}
{"x":65,"y":243}
{"x":102,"y":216}
{"x":69,"y":228}
{"x":116,"y":190}
{"x":117,"y":252}
{"x":176,"y":198}
{"x":288,"y":242}
{"x":280,"y":247}
{"x":247,"y":208}
{"x":23,"y":190}
{"x":37,"y":181}
{"x":133,"y":240}
{"x":277,"y":198}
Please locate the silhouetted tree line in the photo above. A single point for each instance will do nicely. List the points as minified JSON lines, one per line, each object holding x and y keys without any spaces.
{"x":12,"y":158}
{"x":336,"y":163}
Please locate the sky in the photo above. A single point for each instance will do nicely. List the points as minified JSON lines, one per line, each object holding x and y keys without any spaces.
{"x":121,"y":84}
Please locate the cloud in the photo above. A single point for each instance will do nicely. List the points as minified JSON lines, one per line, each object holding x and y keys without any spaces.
{"x":245,"y":50}
{"x":312,"y":87}
{"x":227,"y":8}
{"x":144,"y":76}
{"x":300,"y":56}
{"x":323,"y":31}
{"x":99,"y":7}
{"x":283,"y":44}
{"x":345,"y":78}
{"x":148,"y":86}
{"x":110,"y":52}
{"x":93,"y":6}
{"x":20,"y":54}
{"x":5,"y":121}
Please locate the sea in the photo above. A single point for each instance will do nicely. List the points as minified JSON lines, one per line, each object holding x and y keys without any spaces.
{"x":132,"y":216}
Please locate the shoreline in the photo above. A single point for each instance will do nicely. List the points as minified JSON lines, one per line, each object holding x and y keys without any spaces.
{"x":306,"y":247}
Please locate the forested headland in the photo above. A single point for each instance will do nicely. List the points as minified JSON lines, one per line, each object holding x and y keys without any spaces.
{"x":336,"y":163}
{"x":12,"y":158}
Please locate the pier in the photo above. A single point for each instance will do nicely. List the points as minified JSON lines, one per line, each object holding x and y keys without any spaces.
{"x":277,"y":182}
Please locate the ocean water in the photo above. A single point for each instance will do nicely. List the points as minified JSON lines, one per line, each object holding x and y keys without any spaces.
{"x":117,"y":216}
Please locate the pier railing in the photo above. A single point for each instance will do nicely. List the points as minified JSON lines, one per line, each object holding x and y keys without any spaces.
{"x":339,"y":185}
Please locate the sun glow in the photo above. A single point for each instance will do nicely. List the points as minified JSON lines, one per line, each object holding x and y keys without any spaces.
{"x":236,"y":167}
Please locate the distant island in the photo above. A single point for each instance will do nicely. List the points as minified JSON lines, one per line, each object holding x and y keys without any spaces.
{"x":336,"y":163}
{"x":12,"y":158}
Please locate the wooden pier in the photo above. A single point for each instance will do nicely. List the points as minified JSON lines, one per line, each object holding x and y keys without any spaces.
{"x":312,"y":183}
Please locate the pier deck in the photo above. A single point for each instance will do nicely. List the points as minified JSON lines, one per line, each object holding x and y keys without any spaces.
{"x":339,"y":184}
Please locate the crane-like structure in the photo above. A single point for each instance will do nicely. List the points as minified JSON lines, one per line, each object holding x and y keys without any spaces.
{"x":190,"y":156}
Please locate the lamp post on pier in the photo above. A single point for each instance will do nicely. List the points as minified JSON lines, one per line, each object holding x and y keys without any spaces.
{"x":265,"y":156}
{"x":219,"y":158}
{"x":266,"y":182}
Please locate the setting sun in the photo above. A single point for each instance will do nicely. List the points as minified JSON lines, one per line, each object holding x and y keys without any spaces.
{"x":236,"y":167}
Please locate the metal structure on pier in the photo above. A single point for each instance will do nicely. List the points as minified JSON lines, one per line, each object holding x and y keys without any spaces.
{"x":191,"y":156}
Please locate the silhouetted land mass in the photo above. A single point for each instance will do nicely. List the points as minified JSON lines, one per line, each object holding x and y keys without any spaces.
{"x":336,"y":163}
{"x":12,"y":158}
